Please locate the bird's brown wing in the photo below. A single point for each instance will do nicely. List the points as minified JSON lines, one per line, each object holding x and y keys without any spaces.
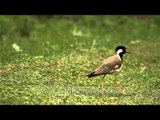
{"x":110,"y":65}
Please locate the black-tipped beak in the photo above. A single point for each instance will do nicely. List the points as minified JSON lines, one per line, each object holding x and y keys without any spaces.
{"x":127,"y":51}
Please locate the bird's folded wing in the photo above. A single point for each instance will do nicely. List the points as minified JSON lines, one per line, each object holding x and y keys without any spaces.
{"x":109,"y":65}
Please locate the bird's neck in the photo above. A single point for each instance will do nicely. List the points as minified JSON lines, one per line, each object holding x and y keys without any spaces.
{"x":120,"y":55}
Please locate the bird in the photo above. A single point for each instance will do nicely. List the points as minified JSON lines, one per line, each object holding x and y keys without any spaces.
{"x":110,"y":65}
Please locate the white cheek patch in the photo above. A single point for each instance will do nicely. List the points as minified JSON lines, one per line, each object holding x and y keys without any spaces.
{"x":119,"y":51}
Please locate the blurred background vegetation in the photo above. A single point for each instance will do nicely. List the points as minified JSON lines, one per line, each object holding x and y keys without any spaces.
{"x":56,"y":35}
{"x":59,"y":50}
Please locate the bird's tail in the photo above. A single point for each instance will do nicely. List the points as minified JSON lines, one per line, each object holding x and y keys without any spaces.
{"x":90,"y":75}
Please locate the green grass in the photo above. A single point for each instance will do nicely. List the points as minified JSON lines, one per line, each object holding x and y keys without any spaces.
{"x":45,"y":59}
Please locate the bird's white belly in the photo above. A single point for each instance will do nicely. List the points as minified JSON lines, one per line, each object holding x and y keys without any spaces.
{"x":117,"y":71}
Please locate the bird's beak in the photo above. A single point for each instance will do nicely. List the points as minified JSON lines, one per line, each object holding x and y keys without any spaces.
{"x":127,"y":51}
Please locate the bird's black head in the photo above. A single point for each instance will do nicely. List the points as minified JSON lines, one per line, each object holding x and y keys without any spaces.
{"x":121,"y":50}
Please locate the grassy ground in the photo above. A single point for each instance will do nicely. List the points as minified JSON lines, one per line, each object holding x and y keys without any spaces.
{"x":45,"y":59}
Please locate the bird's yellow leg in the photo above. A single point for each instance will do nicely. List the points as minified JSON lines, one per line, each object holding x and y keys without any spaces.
{"x":102,"y":85}
{"x":117,"y":85}
{"x":115,"y":81}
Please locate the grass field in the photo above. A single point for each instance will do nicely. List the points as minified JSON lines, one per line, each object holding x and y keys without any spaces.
{"x":45,"y":59}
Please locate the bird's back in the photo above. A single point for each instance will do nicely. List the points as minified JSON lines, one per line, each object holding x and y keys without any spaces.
{"x":109,"y":65}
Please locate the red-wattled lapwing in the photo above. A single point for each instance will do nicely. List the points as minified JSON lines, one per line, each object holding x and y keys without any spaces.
{"x":110,"y":65}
